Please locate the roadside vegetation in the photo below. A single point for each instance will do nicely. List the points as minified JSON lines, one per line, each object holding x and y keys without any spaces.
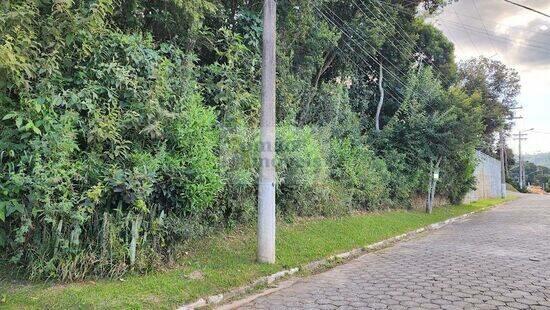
{"x":535,"y":175}
{"x":216,"y":264}
{"x":130,"y":127}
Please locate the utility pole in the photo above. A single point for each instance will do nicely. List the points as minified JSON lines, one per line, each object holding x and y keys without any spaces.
{"x":502,"y":166}
{"x":521,"y":137}
{"x":520,"y":156}
{"x":504,"y":155}
{"x":266,"y":186}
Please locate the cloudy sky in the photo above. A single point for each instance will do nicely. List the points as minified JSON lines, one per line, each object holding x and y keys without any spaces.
{"x":519,"y":38}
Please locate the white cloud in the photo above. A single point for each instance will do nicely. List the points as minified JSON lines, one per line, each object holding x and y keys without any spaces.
{"x":519,"y":38}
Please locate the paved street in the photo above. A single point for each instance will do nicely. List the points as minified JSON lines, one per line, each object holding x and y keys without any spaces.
{"x":498,"y":259}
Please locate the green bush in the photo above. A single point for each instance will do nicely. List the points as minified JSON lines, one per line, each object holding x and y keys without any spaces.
{"x":100,"y":154}
{"x":304,"y":186}
{"x":239,"y":158}
{"x":459,"y":178}
{"x":363,"y":176}
{"x":128,"y":127}
{"x":406,"y":179}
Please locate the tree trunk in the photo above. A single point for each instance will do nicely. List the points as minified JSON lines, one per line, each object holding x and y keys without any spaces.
{"x":433,"y":184}
{"x":429,"y":196}
{"x":329,"y":59}
{"x":381,"y":102}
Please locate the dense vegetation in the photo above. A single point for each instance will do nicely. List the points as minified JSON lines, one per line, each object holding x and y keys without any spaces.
{"x":227,"y":261}
{"x":534,"y":175}
{"x":537,"y":170}
{"x":129,"y":126}
{"x":541,"y":159}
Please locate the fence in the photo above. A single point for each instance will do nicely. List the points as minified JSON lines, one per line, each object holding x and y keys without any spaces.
{"x":488,"y":182}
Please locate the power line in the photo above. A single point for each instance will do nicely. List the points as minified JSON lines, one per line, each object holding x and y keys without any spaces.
{"x":400,"y":99}
{"x":495,"y":35}
{"x":528,"y":8}
{"x":359,"y":68}
{"x":467,"y":32}
{"x":477,"y":30}
{"x":345,"y":33}
{"x":484,"y":27}
{"x":516,"y":28}
{"x":403,"y":34}
{"x":366,"y":42}
{"x":346,"y":30}
{"x":374,"y":15}
{"x":370,"y":56}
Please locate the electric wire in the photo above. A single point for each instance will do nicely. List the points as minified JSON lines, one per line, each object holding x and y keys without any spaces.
{"x":398,"y":8}
{"x":366,"y":52}
{"x":533,"y":47}
{"x":361,"y":46}
{"x":484,"y":27}
{"x":397,"y":97}
{"x":428,"y":94}
{"x":403,"y":34}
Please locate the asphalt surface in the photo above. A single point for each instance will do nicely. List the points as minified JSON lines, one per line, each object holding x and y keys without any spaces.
{"x":499,"y":259}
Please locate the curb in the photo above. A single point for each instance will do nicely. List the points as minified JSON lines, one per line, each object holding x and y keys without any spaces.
{"x":312,"y":266}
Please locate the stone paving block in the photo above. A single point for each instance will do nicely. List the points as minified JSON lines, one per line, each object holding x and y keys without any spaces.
{"x":482,"y":263}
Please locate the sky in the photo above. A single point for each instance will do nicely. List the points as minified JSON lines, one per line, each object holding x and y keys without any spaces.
{"x":520,"y":39}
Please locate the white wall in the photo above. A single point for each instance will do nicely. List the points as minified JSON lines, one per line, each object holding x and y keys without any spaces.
{"x":487,"y":175}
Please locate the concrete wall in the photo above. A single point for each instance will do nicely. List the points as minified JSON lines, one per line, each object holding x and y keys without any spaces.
{"x":487,"y":174}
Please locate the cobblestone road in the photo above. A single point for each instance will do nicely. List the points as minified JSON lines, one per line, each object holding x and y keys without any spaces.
{"x":499,"y":259}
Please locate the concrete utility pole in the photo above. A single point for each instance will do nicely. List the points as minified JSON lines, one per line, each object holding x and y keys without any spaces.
{"x":521,"y":176}
{"x":521,"y":137}
{"x":266,"y":186}
{"x":502,"y":166}
{"x":503,"y":155}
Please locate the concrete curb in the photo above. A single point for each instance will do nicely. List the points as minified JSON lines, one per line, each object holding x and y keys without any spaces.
{"x":315,"y":265}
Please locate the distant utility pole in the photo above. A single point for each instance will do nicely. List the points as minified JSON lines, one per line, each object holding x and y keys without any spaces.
{"x":502,"y":166}
{"x":521,"y":137}
{"x":503,"y":155}
{"x":521,"y":176}
{"x":266,"y":186}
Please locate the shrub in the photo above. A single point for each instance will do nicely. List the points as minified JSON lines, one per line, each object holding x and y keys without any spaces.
{"x":239,"y":158}
{"x":362,"y":175}
{"x":406,"y":179}
{"x":304,"y":186}
{"x":458,"y":178}
{"x":101,"y":155}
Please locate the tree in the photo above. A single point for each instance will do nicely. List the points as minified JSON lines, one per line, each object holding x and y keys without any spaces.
{"x":534,"y":174}
{"x":129,"y":126}
{"x":438,"y":51}
{"x":498,"y":86}
{"x":434,"y":126}
{"x":381,"y":102}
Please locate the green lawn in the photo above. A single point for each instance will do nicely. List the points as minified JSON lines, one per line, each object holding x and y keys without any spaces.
{"x":227,"y":261}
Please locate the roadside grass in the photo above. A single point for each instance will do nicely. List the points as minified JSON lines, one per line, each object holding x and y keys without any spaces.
{"x":227,"y":260}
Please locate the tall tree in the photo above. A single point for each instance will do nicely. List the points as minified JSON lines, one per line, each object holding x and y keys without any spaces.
{"x":498,"y":86}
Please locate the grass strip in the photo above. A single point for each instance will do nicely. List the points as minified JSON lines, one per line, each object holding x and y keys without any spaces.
{"x":227,"y":260}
